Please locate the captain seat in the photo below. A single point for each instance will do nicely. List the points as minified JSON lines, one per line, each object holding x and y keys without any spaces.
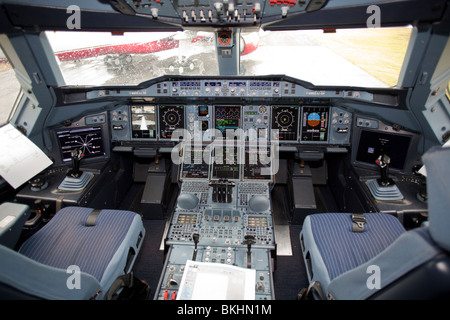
{"x":80,"y":253}
{"x":372,"y":256}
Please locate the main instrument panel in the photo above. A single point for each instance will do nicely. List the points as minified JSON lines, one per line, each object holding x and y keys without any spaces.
{"x":244,"y":110}
{"x":292,"y":124}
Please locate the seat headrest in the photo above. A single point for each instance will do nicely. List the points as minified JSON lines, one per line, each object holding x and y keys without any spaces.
{"x":437,"y":164}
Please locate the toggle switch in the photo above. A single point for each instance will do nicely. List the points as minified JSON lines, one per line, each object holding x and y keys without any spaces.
{"x":218,"y":6}
{"x":154,"y":13}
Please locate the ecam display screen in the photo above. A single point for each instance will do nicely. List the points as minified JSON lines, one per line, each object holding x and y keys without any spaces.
{"x":372,"y":144}
{"x":227,"y":117}
{"x":257,"y":163}
{"x":226,"y":163}
{"x":194,"y":164}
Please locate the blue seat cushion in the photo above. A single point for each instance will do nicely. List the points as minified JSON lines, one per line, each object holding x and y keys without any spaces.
{"x":332,"y":248}
{"x":100,"y":250}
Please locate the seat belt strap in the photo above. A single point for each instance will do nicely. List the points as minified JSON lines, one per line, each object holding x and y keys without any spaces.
{"x":92,"y":217}
{"x":359,"y":220}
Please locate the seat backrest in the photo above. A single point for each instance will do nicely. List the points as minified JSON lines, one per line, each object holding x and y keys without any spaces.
{"x":437,"y":164}
{"x":24,"y":278}
{"x":417,"y":264}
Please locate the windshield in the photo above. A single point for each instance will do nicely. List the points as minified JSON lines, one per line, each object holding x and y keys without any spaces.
{"x":346,"y":57}
{"x":101,"y":58}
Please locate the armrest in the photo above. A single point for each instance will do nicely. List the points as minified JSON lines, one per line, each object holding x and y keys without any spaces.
{"x":12,"y":218}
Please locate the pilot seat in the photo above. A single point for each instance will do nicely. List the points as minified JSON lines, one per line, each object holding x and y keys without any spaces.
{"x":372,"y":256}
{"x":80,"y":253}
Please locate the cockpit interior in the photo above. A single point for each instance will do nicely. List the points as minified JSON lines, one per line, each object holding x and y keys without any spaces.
{"x":224,"y":150}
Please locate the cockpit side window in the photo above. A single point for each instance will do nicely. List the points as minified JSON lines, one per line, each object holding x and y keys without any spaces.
{"x":10,"y":88}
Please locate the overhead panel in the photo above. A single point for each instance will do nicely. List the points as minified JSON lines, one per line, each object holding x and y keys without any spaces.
{"x":232,"y":13}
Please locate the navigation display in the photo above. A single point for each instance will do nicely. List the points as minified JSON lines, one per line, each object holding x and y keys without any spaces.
{"x":257,"y":163}
{"x":143,"y":122}
{"x":285,"y":123}
{"x":227,"y":118}
{"x":226,"y":163}
{"x":372,"y":144}
{"x":194,"y":162}
{"x":315,"y":124}
{"x":171,"y":118}
{"x":88,"y":140}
